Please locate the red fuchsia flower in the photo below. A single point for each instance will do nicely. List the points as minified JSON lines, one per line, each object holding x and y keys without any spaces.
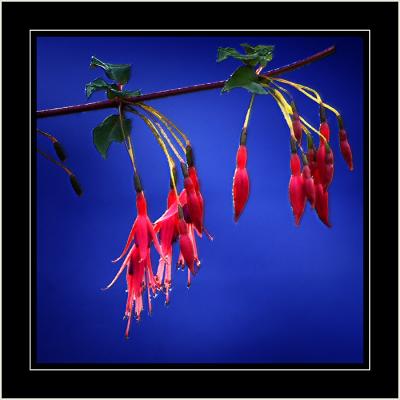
{"x":142,"y":231}
{"x":309,"y":185}
{"x":186,"y":242}
{"x":344,"y":145}
{"x":193,"y":176}
{"x":321,"y":204}
{"x":297,"y":193}
{"x":296,"y":123}
{"x":241,"y":184}
{"x":139,"y":275}
{"x":168,"y":232}
{"x":194,"y":205}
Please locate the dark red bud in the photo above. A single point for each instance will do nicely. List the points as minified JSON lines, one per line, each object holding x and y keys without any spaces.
{"x":59,"y":151}
{"x":297,"y":128}
{"x":75,"y":185}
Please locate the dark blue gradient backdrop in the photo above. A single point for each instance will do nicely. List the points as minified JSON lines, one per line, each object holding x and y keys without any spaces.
{"x":268,"y":291}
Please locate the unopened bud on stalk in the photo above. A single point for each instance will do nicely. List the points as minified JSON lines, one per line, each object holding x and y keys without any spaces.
{"x":59,"y":151}
{"x":75,"y":185}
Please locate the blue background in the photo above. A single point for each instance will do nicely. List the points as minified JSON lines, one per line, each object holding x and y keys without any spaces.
{"x":268,"y":292}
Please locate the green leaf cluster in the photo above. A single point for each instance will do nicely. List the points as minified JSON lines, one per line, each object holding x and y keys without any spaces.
{"x":120,"y":73}
{"x":245,"y":76}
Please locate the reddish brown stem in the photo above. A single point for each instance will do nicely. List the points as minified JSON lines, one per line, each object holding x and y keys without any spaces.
{"x":99,"y":105}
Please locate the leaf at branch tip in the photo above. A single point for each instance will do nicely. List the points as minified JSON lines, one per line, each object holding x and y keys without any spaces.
{"x":113,"y":92}
{"x":244,"y":77}
{"x":119,"y":73}
{"x":110,"y":131}
{"x":254,"y":54}
{"x":262,"y":53}
{"x":96,"y":85}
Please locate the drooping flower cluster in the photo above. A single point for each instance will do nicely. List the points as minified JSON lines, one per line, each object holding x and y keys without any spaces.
{"x":183,"y":217}
{"x":312,"y":173}
{"x":317,"y":172}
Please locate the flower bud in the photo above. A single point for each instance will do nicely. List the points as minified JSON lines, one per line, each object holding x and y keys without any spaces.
{"x":75,"y":185}
{"x":345,"y":149}
{"x":241,"y":184}
{"x":59,"y":151}
{"x":297,"y":196}
{"x":296,"y":123}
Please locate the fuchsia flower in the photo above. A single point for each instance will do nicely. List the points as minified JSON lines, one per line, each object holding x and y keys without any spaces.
{"x":139,"y":274}
{"x":168,"y":233}
{"x":241,"y":184}
{"x":297,"y":192}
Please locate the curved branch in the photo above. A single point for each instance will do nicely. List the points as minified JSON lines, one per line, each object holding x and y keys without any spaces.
{"x":99,"y":105}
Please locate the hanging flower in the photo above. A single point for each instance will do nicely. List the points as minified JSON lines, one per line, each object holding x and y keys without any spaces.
{"x":241,"y":184}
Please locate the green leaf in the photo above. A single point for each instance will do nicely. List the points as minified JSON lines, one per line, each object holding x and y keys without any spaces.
{"x":110,"y":131}
{"x":254,"y":54}
{"x":113,"y":92}
{"x":244,"y":77}
{"x":262,"y":53}
{"x":95,"y":86}
{"x":119,"y":73}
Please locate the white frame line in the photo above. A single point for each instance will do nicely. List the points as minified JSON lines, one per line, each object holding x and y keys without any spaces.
{"x":369,"y":198}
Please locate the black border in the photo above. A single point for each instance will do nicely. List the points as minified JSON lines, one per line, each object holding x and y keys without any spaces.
{"x":18,"y":381}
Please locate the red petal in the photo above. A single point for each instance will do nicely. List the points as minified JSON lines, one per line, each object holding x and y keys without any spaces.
{"x":240,"y":191}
